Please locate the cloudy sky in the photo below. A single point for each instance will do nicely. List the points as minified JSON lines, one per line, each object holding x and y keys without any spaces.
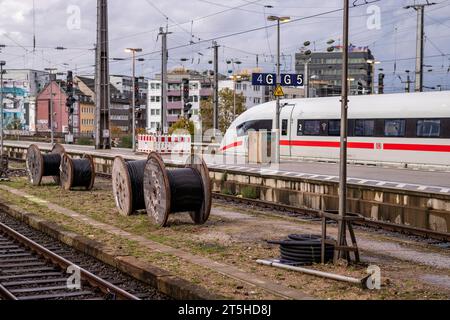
{"x":195,"y":23}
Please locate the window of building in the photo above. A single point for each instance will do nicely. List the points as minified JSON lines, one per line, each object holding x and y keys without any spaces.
{"x":428,"y":128}
{"x":238,"y":86}
{"x":244,"y":86}
{"x":364,"y":128}
{"x":394,"y":128}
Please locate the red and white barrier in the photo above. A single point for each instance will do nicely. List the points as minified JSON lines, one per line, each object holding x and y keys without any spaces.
{"x":164,"y":143}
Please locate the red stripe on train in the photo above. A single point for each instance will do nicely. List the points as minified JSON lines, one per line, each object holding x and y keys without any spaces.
{"x":327,"y":144}
{"x":356,"y":145}
{"x":416,"y":147}
{"x":232,"y":145}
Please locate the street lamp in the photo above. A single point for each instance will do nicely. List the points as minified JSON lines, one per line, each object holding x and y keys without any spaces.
{"x":133,"y":98}
{"x":277,"y":118}
{"x":52,"y":135}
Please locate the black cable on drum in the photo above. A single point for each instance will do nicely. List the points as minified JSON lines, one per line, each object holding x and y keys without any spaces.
{"x":41,"y":165}
{"x":76,"y":173}
{"x":168,"y":191}
{"x":82,"y":173}
{"x":186,"y":188}
{"x":127,"y":184}
{"x":136,"y":173}
{"x":303,"y":249}
{"x":51,"y":164}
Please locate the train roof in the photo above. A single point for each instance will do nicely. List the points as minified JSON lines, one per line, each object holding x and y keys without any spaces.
{"x":397,"y":105}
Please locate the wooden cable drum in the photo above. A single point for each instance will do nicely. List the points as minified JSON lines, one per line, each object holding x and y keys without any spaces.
{"x":127,"y":178}
{"x":176,"y":190}
{"x":42,"y":165}
{"x":77,"y":172}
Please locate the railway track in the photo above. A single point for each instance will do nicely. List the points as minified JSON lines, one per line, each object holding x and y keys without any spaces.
{"x":312,"y":214}
{"x":30,"y":271}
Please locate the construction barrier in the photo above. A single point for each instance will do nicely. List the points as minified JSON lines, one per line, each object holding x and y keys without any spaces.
{"x":164,"y":143}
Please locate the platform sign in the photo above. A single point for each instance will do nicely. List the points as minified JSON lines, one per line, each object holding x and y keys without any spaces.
{"x":292,"y":79}
{"x":264,"y":79}
{"x":270,"y":79}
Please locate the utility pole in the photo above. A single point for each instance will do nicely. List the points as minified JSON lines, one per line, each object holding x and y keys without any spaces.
{"x":102,"y":97}
{"x":52,"y":134}
{"x":2,"y":63}
{"x":216,"y":87}
{"x":343,"y":141}
{"x":164,"y":57}
{"x":420,"y":8}
{"x":278,"y":83}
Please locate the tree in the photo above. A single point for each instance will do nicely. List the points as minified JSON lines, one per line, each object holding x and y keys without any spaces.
{"x":226,"y":107}
{"x":184,"y":124}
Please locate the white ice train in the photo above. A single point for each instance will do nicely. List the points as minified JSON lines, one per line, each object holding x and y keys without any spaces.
{"x":403,"y":128}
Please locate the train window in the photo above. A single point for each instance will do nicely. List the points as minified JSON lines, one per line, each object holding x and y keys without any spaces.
{"x":394,"y":128}
{"x":311,"y":128}
{"x":364,"y":128}
{"x":284,"y":127}
{"x":428,"y":128}
{"x":334,"y":127}
{"x":256,"y":125}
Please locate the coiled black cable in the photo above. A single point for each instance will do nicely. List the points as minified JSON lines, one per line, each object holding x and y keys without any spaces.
{"x":82,"y":173}
{"x":186,"y":189}
{"x":303,"y":249}
{"x":136,"y":174}
{"x":52,"y":162}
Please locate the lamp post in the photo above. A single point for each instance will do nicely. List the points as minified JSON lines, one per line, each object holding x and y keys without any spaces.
{"x":236,"y":78}
{"x":133,"y":98}
{"x":279,"y":20}
{"x":52,"y":134}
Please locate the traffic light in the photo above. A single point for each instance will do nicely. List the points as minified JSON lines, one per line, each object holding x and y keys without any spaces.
{"x":360,"y":88}
{"x":185,"y":83}
{"x":381,"y":83}
{"x":186,"y":104}
{"x":136,"y":90}
{"x":69,"y":89}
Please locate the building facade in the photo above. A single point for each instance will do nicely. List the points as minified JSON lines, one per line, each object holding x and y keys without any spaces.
{"x":21,"y":87}
{"x":120,"y":107}
{"x":325,"y":70}
{"x":54,"y":96}
{"x":200,"y":89}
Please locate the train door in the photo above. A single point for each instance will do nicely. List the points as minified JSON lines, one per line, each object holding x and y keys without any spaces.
{"x":287,"y":126}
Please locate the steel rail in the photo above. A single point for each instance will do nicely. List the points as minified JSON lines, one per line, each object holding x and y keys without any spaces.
{"x":95,"y":281}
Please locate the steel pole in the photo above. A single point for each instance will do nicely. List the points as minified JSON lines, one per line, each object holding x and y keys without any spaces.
{"x":277,"y":118}
{"x":133,"y":104}
{"x":216,"y":87}
{"x":234,"y":100}
{"x":51,"y":111}
{"x":419,"y":49}
{"x":343,"y":139}
{"x":1,"y":109}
